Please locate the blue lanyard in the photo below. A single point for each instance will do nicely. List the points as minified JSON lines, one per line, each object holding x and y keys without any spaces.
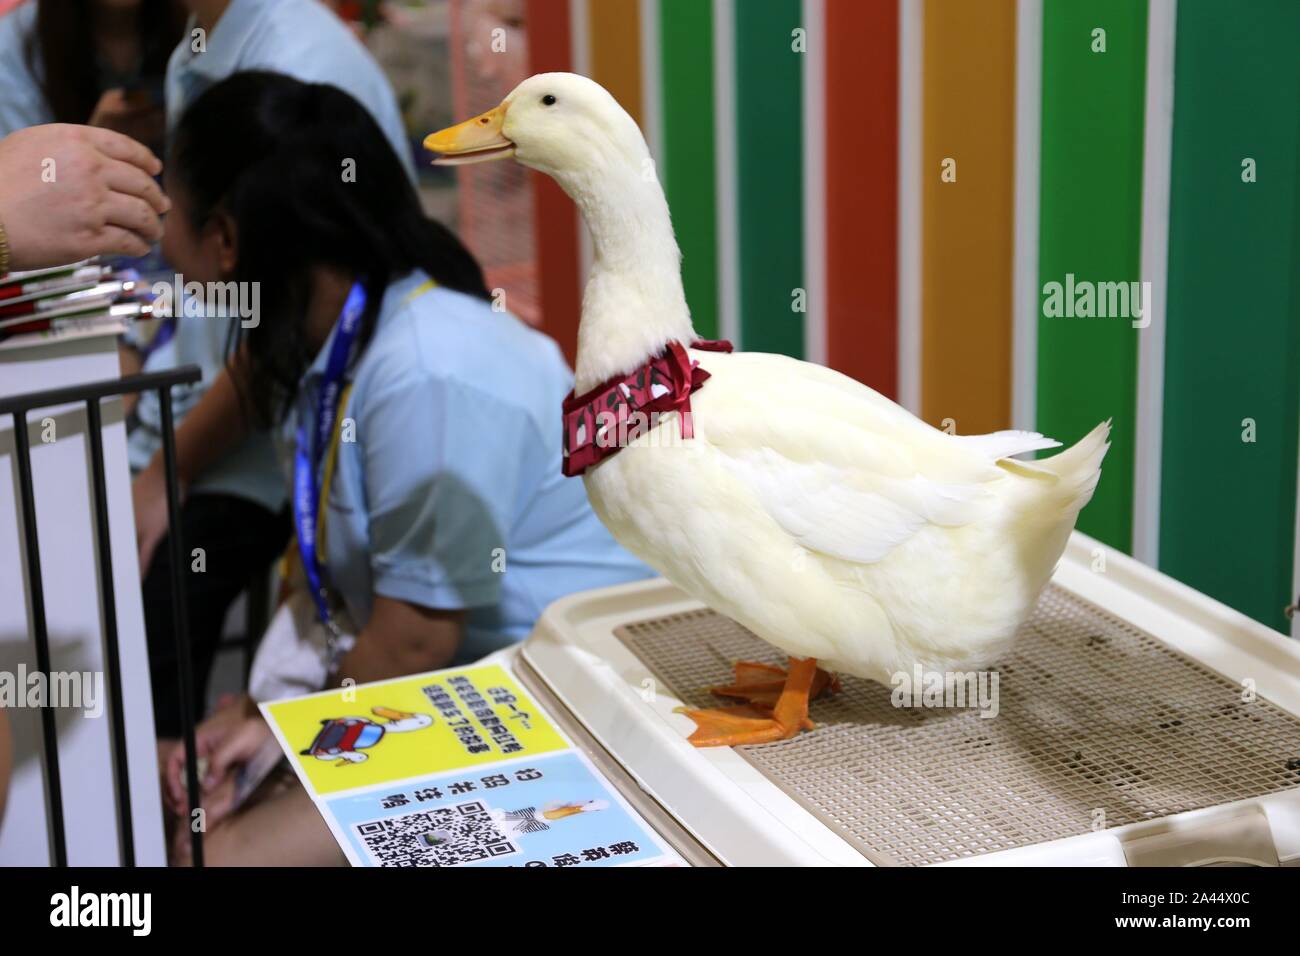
{"x":309,"y":455}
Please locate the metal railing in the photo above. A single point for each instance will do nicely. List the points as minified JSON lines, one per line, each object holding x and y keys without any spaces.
{"x":92,"y":394}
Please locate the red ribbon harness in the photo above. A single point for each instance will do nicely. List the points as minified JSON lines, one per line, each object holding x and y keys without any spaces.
{"x":596,"y":423}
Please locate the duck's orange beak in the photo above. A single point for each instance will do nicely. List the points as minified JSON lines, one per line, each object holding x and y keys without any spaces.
{"x":474,"y":141}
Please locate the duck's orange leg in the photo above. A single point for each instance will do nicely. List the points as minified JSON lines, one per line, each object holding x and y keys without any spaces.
{"x":761,"y":684}
{"x":754,"y":683}
{"x":754,"y":724}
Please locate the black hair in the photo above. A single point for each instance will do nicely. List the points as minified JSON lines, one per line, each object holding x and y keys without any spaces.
{"x":308,"y":179}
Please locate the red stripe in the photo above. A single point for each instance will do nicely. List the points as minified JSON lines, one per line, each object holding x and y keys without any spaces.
{"x":349,"y":739}
{"x":862,"y":191}
{"x":555,"y":220}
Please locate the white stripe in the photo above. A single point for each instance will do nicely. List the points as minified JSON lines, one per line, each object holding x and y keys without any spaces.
{"x":910,"y":105}
{"x":1156,"y":156}
{"x":652,"y":120}
{"x":1025,"y":300}
{"x":580,"y":36}
{"x":724,"y":134}
{"x":814,"y":180}
{"x":580,"y":39}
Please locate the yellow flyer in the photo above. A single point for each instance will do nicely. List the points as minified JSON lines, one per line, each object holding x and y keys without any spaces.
{"x":354,"y":737}
{"x":456,"y":768}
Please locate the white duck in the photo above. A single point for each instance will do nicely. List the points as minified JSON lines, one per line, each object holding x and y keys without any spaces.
{"x":807,"y":507}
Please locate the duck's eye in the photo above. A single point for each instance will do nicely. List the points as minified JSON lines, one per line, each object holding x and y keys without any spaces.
{"x":548,"y":100}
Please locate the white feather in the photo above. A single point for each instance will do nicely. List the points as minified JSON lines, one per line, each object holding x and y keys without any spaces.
{"x":1005,"y":444}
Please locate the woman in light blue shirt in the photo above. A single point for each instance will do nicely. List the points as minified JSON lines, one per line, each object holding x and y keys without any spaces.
{"x":436,"y":449}
{"x":420,"y":419}
{"x":242,"y":490}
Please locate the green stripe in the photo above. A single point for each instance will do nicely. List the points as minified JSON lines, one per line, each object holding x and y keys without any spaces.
{"x":1090,"y":225}
{"x":686,"y":44}
{"x":769,"y":174}
{"x":1233,"y":339}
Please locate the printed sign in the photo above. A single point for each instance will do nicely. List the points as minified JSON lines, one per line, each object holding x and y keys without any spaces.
{"x":353,"y":737}
{"x":456,"y":768}
{"x":554,"y":811}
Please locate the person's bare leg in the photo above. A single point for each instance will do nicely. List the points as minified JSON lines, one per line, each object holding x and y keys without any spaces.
{"x":280,"y":826}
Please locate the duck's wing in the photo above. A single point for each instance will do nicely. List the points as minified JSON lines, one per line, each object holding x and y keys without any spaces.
{"x":843,"y":470}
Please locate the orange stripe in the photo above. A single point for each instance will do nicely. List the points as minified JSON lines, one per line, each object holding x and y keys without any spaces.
{"x":967,"y":225}
{"x":614,"y":32}
{"x":862,"y":191}
{"x":555,"y":220}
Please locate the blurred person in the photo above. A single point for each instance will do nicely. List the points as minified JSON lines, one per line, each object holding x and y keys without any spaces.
{"x":98,"y":62}
{"x":444,"y":527}
{"x":300,"y":38}
{"x":235,"y":512}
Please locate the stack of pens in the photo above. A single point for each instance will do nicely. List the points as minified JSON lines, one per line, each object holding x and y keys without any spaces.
{"x":67,"y":302}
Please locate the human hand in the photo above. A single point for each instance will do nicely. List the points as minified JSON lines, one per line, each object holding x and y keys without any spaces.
{"x":71,"y":192}
{"x":224,"y":743}
{"x":132,"y":114}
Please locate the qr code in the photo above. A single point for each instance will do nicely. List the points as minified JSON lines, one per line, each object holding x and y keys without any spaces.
{"x":445,"y":836}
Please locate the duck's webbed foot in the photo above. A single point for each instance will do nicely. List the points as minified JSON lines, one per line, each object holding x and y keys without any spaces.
{"x":775,"y":708}
{"x":761,"y":684}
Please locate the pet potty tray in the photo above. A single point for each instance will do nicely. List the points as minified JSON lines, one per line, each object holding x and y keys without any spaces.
{"x":1138,"y":723}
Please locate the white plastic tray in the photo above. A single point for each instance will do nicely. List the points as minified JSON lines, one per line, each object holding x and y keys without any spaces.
{"x":744,"y":819}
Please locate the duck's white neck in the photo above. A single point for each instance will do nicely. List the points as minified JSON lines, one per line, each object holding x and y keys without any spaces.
{"x":633,"y":304}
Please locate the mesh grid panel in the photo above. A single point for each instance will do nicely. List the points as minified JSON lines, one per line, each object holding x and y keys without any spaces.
{"x":1094,"y":715}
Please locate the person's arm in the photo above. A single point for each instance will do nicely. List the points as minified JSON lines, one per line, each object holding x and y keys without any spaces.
{"x":211,"y":429}
{"x":68,"y":193}
{"x":133,"y":114}
{"x":130,"y":362}
{"x":438,"y":496}
{"x":400,"y":639}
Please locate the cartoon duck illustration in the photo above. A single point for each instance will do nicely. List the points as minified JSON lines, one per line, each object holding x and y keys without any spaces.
{"x":346,"y":738}
{"x":528,"y":820}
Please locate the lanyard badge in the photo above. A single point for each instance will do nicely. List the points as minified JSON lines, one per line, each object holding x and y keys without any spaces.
{"x":310,"y":487}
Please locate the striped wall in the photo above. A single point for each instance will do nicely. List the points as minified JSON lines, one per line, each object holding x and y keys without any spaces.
{"x":889,"y":186}
{"x":967,"y":180}
{"x":1232,"y":344}
{"x":1090,"y":174}
{"x":860,"y":186}
{"x":769,"y":174}
{"x":687,"y":152}
{"x":555,"y":220}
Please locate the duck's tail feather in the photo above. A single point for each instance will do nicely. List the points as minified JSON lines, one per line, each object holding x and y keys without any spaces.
{"x":1077,"y":469}
{"x":1004,"y":444}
